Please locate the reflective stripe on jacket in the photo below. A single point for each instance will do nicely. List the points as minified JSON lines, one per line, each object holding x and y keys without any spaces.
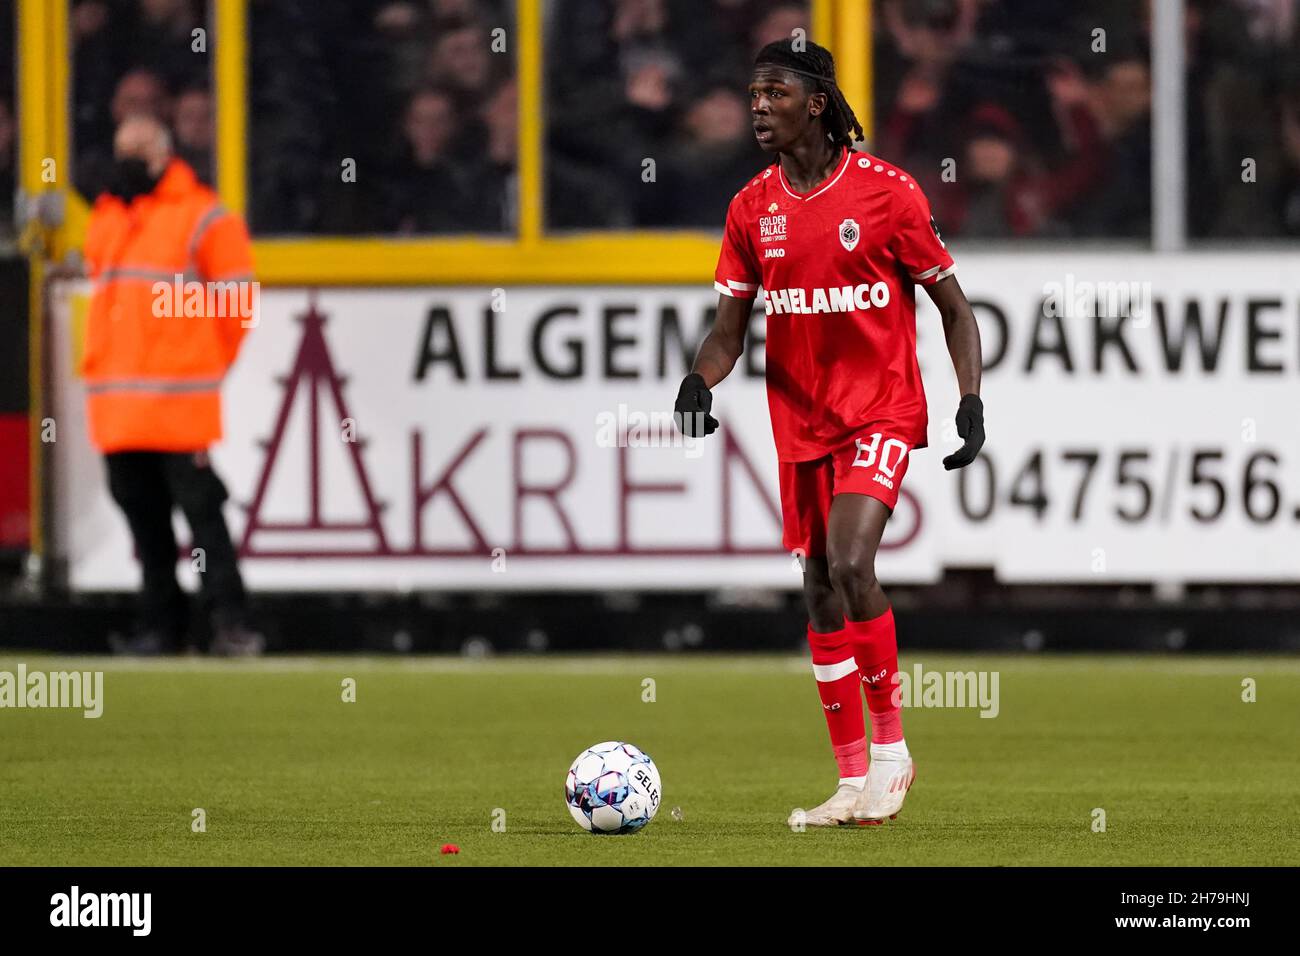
{"x":172,"y":277}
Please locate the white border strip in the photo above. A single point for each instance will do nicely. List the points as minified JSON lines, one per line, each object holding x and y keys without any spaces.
{"x":825,"y":673}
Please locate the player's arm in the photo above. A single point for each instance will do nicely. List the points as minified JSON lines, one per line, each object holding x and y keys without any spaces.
{"x":737,"y":280}
{"x":963,"y":337}
{"x":922,"y":253}
{"x":725,"y":342}
{"x":718,"y":353}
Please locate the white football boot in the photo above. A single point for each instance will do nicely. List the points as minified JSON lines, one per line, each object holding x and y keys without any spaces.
{"x":889,"y":777}
{"x":836,"y":811}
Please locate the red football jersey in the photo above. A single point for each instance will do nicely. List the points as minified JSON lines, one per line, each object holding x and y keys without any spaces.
{"x":837,"y":267}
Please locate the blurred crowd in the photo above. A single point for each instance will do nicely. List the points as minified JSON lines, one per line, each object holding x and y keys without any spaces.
{"x":365,"y":116}
{"x":419,"y":94}
{"x":634,"y":80}
{"x":1243,"y":90}
{"x":400,"y":116}
{"x":1011,"y":122}
{"x":8,"y":164}
{"x":1019,"y":123}
{"x":136,"y":56}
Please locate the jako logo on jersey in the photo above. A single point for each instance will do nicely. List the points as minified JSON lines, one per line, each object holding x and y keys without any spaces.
{"x":884,"y":481}
{"x":771,"y":229}
{"x":849,"y":234}
{"x":842,"y":299}
{"x":776,"y":253}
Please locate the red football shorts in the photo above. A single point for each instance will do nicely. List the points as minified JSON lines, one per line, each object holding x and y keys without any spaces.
{"x":873,"y":464}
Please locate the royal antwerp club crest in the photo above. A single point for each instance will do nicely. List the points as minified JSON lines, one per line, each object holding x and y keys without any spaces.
{"x":849,"y":234}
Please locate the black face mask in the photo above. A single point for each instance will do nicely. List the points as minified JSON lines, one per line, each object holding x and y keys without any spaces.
{"x":131,"y":178}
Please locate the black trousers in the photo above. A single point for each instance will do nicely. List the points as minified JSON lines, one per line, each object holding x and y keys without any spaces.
{"x":147,"y":486}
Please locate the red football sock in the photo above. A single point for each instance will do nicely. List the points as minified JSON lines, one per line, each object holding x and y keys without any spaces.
{"x":837,"y":683}
{"x":875,"y":645}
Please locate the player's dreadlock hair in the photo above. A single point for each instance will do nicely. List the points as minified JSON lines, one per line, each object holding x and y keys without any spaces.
{"x":816,"y":65}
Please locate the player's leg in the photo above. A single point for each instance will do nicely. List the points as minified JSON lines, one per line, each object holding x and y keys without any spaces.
{"x":136,"y":482}
{"x":805,"y":497}
{"x":868,"y":476}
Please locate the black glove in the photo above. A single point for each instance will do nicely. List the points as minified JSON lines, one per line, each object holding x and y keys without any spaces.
{"x":970,"y":428}
{"x":692,"y":410}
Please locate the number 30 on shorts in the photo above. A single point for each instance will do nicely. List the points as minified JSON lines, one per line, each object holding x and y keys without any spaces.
{"x":885,"y":458}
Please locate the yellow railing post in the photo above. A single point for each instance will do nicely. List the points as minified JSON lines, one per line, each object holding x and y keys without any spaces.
{"x":230,"y":79}
{"x":823,"y":23}
{"x":37,"y":150}
{"x":852,"y":49}
{"x":532,"y":120}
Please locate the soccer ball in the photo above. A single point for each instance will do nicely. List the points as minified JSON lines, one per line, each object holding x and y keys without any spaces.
{"x":612,"y":788}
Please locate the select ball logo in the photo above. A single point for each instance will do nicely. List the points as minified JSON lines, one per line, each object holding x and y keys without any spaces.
{"x":648,"y":784}
{"x":612,"y":788}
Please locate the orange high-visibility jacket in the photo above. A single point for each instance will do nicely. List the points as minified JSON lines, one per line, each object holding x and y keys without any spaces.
{"x":171,"y":272}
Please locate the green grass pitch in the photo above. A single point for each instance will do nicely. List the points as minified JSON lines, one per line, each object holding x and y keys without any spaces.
{"x":434,"y":750}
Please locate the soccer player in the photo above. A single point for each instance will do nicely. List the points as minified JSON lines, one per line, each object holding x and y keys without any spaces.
{"x":837,"y":238}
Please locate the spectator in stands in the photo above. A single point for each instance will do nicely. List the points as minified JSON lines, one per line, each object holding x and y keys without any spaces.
{"x":1004,"y":188}
{"x":427,"y":190}
{"x":7,"y":167}
{"x":778,"y":23}
{"x":1121,"y":206}
{"x":1287,"y":201}
{"x":499,"y":189}
{"x":460,"y":61}
{"x":402,"y":30}
{"x":162,"y":40}
{"x":1234,"y":51}
{"x":139,"y":92}
{"x":931,"y":33}
{"x":615,"y":70}
{"x":711,"y":155}
{"x":194,"y":131}
{"x":1039,"y":149}
{"x":95,"y":40}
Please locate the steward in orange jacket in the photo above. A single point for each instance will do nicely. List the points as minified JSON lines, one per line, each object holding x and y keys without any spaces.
{"x":173,"y":296}
{"x":153,"y":368}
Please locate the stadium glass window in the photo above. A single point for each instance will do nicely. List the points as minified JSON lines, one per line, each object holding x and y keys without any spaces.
{"x":1021,"y":119}
{"x":647,"y":122}
{"x":382,"y":117}
{"x":139,"y":56}
{"x":1243,"y":119}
